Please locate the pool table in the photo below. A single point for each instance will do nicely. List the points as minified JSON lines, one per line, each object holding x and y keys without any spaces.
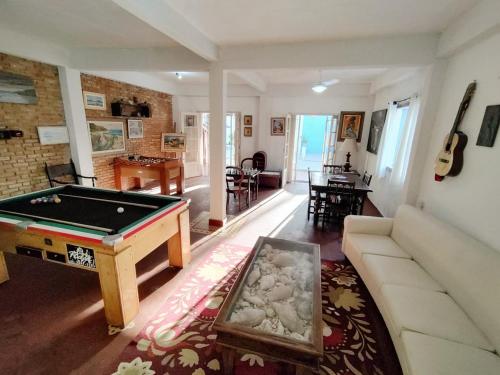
{"x":86,"y":230}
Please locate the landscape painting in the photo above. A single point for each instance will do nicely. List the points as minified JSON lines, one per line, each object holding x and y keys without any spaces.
{"x":173,"y":142}
{"x":107,"y":136}
{"x":376,"y":128}
{"x":18,"y":89}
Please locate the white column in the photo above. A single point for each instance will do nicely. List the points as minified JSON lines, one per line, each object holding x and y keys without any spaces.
{"x":217,"y":98}
{"x":76,"y":122}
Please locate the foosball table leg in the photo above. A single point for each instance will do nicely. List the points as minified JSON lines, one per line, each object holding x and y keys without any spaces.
{"x":4,"y":274}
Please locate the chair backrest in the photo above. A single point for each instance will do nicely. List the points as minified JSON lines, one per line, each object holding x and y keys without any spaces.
{"x":332,"y":168}
{"x":367,"y":178}
{"x":343,"y":190}
{"x":234,"y":175}
{"x":247,"y":162}
{"x":259,"y":160}
{"x":309,"y":180}
{"x":61,"y":174}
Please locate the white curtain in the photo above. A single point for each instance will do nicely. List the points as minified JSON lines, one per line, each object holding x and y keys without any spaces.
{"x":383,"y":160}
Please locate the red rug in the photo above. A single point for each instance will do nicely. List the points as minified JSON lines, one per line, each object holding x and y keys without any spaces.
{"x":179,"y":340}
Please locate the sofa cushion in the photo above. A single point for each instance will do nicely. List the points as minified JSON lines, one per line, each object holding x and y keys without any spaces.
{"x":373,"y":244}
{"x":390,"y":270}
{"x":428,"y":355}
{"x":432,"y":313}
{"x":466,"y":268}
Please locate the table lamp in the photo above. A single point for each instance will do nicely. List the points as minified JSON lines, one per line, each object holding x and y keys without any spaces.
{"x":349,"y":147}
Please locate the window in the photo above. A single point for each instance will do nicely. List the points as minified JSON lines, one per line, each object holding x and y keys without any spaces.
{"x":395,"y":131}
{"x":231,"y":139}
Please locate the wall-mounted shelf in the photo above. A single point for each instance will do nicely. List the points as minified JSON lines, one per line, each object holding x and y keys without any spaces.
{"x":130,"y":110}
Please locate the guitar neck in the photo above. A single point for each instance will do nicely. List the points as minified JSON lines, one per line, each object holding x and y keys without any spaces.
{"x":458,"y":120}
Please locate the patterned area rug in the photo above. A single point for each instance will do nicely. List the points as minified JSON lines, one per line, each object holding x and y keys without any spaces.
{"x":179,"y":340}
{"x":200,"y":223}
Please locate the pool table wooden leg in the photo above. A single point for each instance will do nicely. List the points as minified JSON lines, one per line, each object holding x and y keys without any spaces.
{"x":4,"y":273}
{"x":118,"y":287}
{"x":179,"y":245}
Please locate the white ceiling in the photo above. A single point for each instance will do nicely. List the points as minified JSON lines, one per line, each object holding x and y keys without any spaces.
{"x":80,"y":23}
{"x":266,"y":21}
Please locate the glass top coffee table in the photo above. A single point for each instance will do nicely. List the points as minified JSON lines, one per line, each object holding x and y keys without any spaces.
{"x":274,"y":307}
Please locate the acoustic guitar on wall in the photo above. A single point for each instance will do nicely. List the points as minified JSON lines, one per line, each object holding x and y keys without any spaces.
{"x":450,"y":159}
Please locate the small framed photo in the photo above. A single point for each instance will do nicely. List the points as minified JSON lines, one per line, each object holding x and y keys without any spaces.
{"x":135,"y":129}
{"x":190,"y":120}
{"x":247,"y":120}
{"x":93,"y":100}
{"x":277,"y":126}
{"x":351,"y":126}
{"x":489,"y":127}
{"x":173,"y":142}
{"x":247,"y":131}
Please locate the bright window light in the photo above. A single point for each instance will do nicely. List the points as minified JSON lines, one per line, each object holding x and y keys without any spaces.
{"x":319,"y":88}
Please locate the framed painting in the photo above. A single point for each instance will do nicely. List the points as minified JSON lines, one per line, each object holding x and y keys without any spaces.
{"x":277,"y":126}
{"x":53,"y":135}
{"x":190,"y":120}
{"x":376,"y":127}
{"x":93,"y":100}
{"x":247,"y":131}
{"x":135,"y":129}
{"x":247,"y":120}
{"x":350,"y":126}
{"x":18,"y":89}
{"x":173,"y":142}
{"x":106,"y":136}
{"x":489,"y":127}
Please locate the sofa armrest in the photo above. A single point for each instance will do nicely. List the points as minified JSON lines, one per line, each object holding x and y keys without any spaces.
{"x":368,"y":225}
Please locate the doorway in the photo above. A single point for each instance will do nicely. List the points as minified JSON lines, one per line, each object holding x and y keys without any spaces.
{"x":315,"y":137}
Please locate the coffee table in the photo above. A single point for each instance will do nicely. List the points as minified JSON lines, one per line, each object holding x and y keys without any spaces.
{"x":293,"y":338}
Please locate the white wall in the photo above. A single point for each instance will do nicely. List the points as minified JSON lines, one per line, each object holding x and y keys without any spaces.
{"x":471,"y":200}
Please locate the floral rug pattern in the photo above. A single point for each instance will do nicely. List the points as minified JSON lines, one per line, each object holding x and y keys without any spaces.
{"x":180,"y":340}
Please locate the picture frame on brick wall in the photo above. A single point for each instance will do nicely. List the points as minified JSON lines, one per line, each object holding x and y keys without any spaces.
{"x":94,"y":100}
{"x":135,"y":129}
{"x":106,"y":136}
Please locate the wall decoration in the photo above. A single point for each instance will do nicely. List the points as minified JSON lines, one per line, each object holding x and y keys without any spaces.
{"x":107,"y":136}
{"x":376,"y":126}
{"x":18,"y":89}
{"x":135,"y":129}
{"x":247,"y":120}
{"x":351,"y":126}
{"x":190,"y":120}
{"x":93,"y":100}
{"x":489,"y":127}
{"x":247,"y":131}
{"x":53,"y":135}
{"x":277,"y":126}
{"x":173,"y":142}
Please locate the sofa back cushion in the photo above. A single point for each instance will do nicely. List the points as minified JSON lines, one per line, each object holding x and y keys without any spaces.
{"x":468,"y":270}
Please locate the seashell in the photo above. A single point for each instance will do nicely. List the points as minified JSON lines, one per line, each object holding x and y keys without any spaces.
{"x":266,"y":268}
{"x":267,"y":247}
{"x":256,"y":300}
{"x":284,"y":260}
{"x":304,"y":309}
{"x":270,"y":312}
{"x":288,"y":316}
{"x":248,"y":317}
{"x":285,"y":279}
{"x":280,"y":330}
{"x":266,"y":326}
{"x":266,"y":282}
{"x":288,"y":271}
{"x":280,"y":292}
{"x":296,"y":336}
{"x":253,"y":276}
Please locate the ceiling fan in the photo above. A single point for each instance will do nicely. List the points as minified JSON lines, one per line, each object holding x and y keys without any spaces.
{"x":323,"y":85}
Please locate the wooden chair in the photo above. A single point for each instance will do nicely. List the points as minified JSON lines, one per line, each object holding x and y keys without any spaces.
{"x":367,"y":178}
{"x":260,"y":160}
{"x":64,"y":174}
{"x":339,"y":201}
{"x":332,"y":168}
{"x":247,"y":163}
{"x":234,"y":185}
{"x":360,"y":201}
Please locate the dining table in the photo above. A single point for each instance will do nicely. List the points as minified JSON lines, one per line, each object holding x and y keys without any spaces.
{"x":251,"y":175}
{"x":319,"y":184}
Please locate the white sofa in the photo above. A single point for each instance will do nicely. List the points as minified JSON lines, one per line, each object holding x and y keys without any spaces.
{"x":437,"y":289}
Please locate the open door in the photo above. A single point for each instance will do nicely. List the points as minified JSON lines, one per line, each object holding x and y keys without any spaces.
{"x":192,"y":128}
{"x":286,"y":150}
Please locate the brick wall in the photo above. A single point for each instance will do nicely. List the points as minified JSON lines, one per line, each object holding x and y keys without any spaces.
{"x":159,"y":122}
{"x":22,"y":159}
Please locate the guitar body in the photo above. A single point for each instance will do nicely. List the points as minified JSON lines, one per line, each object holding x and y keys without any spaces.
{"x":450,"y":162}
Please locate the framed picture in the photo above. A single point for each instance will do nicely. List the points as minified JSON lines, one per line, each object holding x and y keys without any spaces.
{"x":489,"y":127}
{"x":135,"y":129}
{"x":277,"y":126}
{"x":247,"y":132}
{"x":190,"y":120}
{"x":247,"y":120}
{"x":53,"y":135}
{"x":107,"y":136}
{"x":93,"y":100}
{"x":376,"y":126}
{"x":350,"y":126}
{"x":173,"y":142}
{"x":18,"y":89}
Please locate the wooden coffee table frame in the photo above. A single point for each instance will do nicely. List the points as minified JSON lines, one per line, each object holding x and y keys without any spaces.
{"x":231,"y":337}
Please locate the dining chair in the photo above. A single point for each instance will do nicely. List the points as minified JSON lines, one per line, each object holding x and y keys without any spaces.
{"x":332,"y":168}
{"x":339,"y":201}
{"x":234,"y":186}
{"x":314,"y":204}
{"x":367,"y":178}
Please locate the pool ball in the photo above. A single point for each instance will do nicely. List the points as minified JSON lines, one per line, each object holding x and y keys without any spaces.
{"x":57,"y":200}
{"x":120,"y":210}
{"x":33,"y":201}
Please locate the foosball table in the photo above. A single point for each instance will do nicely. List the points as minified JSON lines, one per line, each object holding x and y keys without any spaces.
{"x":143,"y":167}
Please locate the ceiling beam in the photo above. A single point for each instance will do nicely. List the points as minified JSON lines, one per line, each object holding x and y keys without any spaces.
{"x":253,"y":79}
{"x":161,"y":16}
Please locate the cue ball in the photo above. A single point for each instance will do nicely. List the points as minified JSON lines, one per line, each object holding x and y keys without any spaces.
{"x":120,"y":210}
